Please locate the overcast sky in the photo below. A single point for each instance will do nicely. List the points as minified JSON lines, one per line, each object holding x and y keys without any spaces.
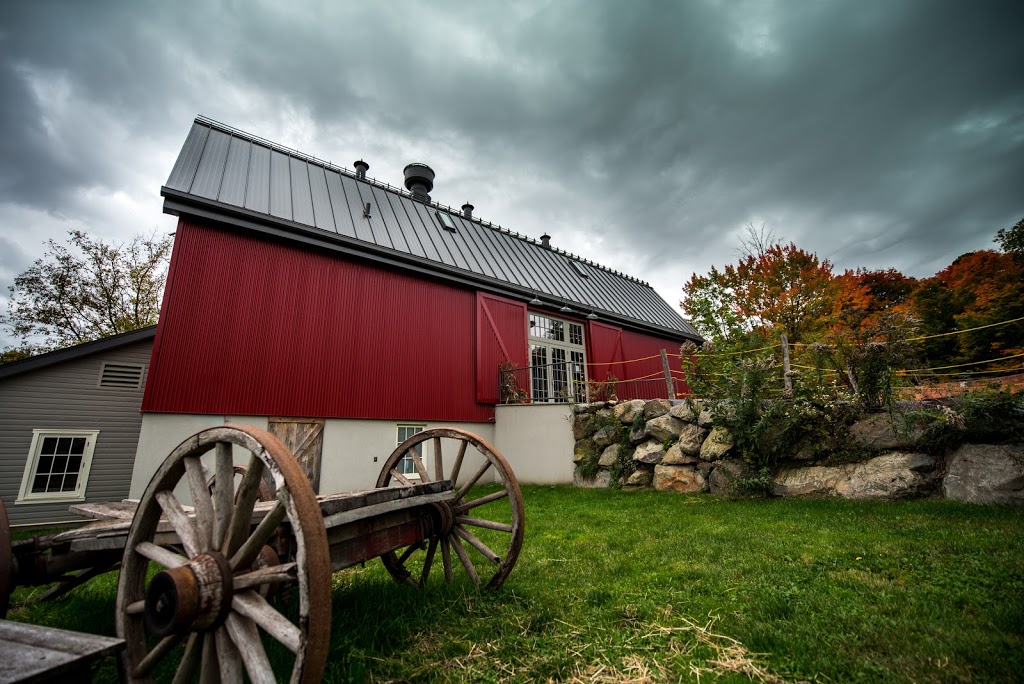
{"x":642,"y":135}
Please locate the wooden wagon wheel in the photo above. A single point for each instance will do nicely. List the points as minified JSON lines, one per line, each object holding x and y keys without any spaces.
{"x":208,"y":597}
{"x":6,"y":562}
{"x":457,"y":515}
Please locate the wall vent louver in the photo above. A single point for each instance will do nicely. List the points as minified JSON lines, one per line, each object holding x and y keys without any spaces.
{"x":121,"y":376}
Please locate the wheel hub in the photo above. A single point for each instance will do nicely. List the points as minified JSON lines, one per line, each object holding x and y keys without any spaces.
{"x":445,"y":518}
{"x":192,"y":597}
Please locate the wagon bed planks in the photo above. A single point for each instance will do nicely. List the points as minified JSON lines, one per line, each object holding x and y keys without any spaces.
{"x":30,"y":653}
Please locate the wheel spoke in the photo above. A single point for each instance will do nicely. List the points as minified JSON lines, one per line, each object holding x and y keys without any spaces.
{"x":255,"y":607}
{"x":241,"y":516}
{"x":466,"y":487}
{"x":247,"y":639}
{"x":159,"y":554}
{"x":182,"y":524}
{"x":229,"y":660}
{"x":276,"y":574}
{"x":417,"y":463}
{"x":201,"y":501}
{"x":408,"y":552}
{"x":477,"y":544}
{"x":480,"y":522}
{"x":468,"y":505}
{"x":401,"y":478}
{"x":458,"y":463}
{"x":224,"y":493}
{"x":428,"y":561}
{"x":189,"y":661}
{"x":136,"y":608}
{"x":438,"y":461}
{"x":209,"y":670}
{"x":248,"y":551}
{"x":165,"y":646}
{"x":460,"y":551}
{"x":446,"y":559}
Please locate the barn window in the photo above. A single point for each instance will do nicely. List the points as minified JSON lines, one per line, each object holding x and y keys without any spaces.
{"x":405,"y":466}
{"x":121,"y":376}
{"x":557,"y":360}
{"x":57,"y":467}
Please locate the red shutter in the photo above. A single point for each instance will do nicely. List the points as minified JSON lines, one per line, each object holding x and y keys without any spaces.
{"x":500,"y":336}
{"x":605,"y":352}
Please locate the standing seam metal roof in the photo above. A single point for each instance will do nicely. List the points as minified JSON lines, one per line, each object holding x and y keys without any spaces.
{"x":224,"y":169}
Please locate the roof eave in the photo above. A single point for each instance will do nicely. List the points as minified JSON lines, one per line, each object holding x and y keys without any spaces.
{"x":32,"y":363}
{"x":177,"y":203}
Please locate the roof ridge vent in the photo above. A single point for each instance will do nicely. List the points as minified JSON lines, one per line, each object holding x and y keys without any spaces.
{"x":361,"y":168}
{"x":545,"y":241}
{"x":419,"y":181}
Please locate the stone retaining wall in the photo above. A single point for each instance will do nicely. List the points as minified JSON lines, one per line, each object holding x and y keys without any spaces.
{"x":675,"y":446}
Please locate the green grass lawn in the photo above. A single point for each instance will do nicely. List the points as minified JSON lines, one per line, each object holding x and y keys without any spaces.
{"x":641,"y":586}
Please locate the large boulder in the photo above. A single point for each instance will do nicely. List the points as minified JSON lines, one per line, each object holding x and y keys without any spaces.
{"x":686,"y":411}
{"x":717,"y":444}
{"x":705,"y":419}
{"x":600,"y":480}
{"x":656,"y":407}
{"x":627,"y":411}
{"x":813,"y":481}
{"x":723,"y":478}
{"x":986,"y":474}
{"x":606,"y":436}
{"x":649,"y":452}
{"x":640,"y":477}
{"x":583,"y":426}
{"x":681,"y":478}
{"x":883,"y":431}
{"x":638,"y":434}
{"x":609,"y":456}
{"x":677,"y":456}
{"x":664,"y":428}
{"x":691,"y":437}
{"x":897,"y":475}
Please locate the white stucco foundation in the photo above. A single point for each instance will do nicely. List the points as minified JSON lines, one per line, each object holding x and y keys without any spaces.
{"x":537,"y":441}
{"x":354,"y":451}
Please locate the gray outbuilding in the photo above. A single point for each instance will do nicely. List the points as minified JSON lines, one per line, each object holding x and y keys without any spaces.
{"x":69,"y":426}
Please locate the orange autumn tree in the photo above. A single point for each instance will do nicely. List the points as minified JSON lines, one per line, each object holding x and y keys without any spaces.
{"x":978,"y":289}
{"x":780,"y":288}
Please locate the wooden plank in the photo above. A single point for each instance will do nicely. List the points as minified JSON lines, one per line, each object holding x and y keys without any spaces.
{"x":364,"y":512}
{"x":304,"y":437}
{"x":31,"y":653}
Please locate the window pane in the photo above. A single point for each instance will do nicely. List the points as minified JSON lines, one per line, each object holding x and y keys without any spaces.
{"x":74,"y":464}
{"x":559,"y":375}
{"x":78,"y":445}
{"x":63,"y":445}
{"x":39,"y":484}
{"x":49,"y":445}
{"x":60,"y":465}
{"x":70,"y":480}
{"x":45,"y":465}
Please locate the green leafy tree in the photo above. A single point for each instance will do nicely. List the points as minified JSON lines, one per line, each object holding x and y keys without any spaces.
{"x":87,"y":289}
{"x":1011,"y":240}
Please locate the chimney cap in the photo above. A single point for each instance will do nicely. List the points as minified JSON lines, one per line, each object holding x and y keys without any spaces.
{"x":418,"y":173}
{"x":361,"y":168}
{"x":545,"y":241}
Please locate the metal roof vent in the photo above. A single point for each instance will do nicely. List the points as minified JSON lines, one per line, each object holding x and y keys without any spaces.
{"x":545,"y":241}
{"x":361,"y":168}
{"x":419,"y":180}
{"x":467,"y":210}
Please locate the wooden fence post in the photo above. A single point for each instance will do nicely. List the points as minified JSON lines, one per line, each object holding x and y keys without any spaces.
{"x":787,"y":381}
{"x":669,"y":387}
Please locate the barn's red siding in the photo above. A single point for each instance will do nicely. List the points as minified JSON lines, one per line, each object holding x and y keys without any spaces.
{"x":256,"y":327}
{"x":613,"y":350}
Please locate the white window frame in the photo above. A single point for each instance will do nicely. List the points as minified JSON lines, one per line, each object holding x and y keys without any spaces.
{"x":567,"y":348}
{"x":419,"y":427}
{"x":25,"y":495}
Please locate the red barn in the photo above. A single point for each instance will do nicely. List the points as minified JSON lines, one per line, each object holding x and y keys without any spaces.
{"x":348,"y":314}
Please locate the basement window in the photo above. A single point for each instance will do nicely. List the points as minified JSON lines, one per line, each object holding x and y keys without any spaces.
{"x":405,"y":466}
{"x":446,"y":220}
{"x":578,"y":267}
{"x":121,"y":376}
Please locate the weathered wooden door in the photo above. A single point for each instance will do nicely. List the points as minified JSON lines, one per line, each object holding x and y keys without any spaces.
{"x":304,"y":437}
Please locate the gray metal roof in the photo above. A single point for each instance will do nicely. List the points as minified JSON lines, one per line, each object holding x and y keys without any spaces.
{"x":226,"y":174}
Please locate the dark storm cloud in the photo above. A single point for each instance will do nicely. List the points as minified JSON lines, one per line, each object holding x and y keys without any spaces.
{"x":882,"y":133}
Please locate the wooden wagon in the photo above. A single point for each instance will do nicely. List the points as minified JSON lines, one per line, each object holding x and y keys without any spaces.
{"x":211,"y":543}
